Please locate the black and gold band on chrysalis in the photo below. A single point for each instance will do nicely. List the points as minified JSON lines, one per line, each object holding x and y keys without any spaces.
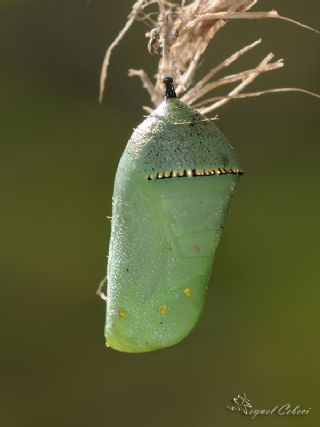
{"x":178,"y":173}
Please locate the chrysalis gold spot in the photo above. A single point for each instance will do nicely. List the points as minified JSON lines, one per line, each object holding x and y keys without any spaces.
{"x":163,"y":308}
{"x":187,"y":292}
{"x":122,"y":314}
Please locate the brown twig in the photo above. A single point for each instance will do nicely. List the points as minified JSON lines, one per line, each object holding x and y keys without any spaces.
{"x":254,"y":94}
{"x":181,"y":35}
{"x":136,"y":9}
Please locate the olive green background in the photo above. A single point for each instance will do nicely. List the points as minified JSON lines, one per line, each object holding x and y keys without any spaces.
{"x":259,"y":333}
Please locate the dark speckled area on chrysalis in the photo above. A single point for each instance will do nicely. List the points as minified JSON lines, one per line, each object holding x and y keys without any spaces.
{"x":178,"y":137}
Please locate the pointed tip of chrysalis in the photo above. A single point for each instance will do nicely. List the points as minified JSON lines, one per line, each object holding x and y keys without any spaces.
{"x":170,"y":92}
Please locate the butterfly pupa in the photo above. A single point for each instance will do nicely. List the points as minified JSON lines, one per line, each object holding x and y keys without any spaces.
{"x":171,"y":196}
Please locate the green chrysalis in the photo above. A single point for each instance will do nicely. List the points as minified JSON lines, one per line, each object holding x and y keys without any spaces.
{"x":171,"y":196}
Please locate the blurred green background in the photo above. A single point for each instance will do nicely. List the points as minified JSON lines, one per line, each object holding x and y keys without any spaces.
{"x":259,"y":333}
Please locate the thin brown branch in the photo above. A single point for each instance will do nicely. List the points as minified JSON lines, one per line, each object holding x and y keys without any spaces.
{"x":194,"y":93}
{"x":137,"y":7}
{"x":205,"y":38}
{"x":239,"y":76}
{"x":146,"y":83}
{"x":254,"y":94}
{"x":273,"y":14}
{"x":261,"y":68}
{"x":181,"y":33}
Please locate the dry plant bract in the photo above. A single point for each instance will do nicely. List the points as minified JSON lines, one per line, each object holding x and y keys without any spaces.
{"x":180,"y":33}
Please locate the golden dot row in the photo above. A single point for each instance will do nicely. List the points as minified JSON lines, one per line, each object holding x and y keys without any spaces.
{"x":193,"y":172}
{"x":163,"y":308}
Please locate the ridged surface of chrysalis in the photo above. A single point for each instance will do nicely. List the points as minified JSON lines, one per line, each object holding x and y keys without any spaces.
{"x":171,"y":196}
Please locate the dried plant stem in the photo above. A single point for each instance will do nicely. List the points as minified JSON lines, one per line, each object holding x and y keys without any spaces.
{"x":195,"y":92}
{"x":254,"y":94}
{"x":136,"y":9}
{"x":244,"y":75}
{"x":146,"y":83}
{"x":247,"y":15}
{"x":181,"y":34}
{"x":206,"y":34}
{"x":164,"y":36}
{"x":264,"y":66}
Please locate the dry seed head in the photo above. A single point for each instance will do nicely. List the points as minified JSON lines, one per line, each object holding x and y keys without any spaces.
{"x":180,"y":33}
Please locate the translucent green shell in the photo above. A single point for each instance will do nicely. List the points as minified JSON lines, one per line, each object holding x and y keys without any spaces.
{"x":172,"y":190}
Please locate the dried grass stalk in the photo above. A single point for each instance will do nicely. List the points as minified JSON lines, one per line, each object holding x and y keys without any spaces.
{"x":180,"y":34}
